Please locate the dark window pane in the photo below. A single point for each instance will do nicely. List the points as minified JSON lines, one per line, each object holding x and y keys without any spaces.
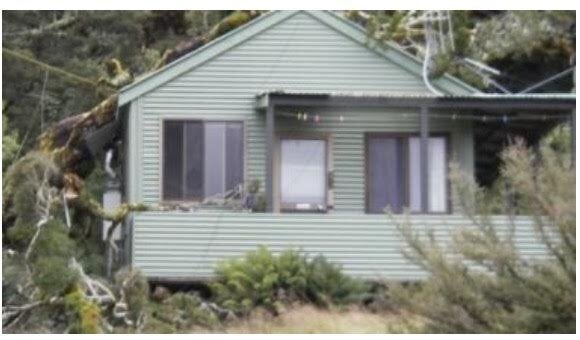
{"x":194,"y":160}
{"x":214,"y":158}
{"x":172,"y":160}
{"x":234,"y":155}
{"x":385,"y":180}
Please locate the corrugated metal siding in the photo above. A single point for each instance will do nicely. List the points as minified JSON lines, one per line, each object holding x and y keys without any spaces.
{"x":178,"y":245}
{"x":302,"y":54}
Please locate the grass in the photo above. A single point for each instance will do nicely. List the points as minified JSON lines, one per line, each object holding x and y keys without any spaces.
{"x":307,"y":319}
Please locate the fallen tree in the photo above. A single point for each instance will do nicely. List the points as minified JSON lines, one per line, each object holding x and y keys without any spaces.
{"x":50,"y":180}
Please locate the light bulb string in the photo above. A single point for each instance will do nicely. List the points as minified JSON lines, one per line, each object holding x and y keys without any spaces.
{"x":318,"y":118}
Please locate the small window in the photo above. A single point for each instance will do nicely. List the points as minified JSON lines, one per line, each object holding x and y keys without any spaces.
{"x":394,"y":175}
{"x":201,"y":159}
{"x":303,"y":174}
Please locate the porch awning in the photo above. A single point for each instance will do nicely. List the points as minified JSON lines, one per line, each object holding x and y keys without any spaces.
{"x":480,"y":101}
{"x":497,"y":118}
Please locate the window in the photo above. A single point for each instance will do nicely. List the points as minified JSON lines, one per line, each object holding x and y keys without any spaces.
{"x":394,"y":175}
{"x":201,"y":159}
{"x":303,"y":174}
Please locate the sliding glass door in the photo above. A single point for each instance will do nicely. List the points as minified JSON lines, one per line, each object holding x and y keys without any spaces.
{"x":394,"y":178}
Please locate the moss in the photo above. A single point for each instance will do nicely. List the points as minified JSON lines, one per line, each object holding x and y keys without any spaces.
{"x":85,"y":314}
{"x":232,"y":21}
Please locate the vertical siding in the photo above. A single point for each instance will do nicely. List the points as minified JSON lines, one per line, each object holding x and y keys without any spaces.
{"x":300,"y":53}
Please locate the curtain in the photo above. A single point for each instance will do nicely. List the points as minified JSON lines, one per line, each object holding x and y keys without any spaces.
{"x":303,"y":178}
{"x":215,"y":158}
{"x":437,"y":172}
{"x":172,"y":160}
{"x":193,"y":160}
{"x":437,"y":175}
{"x":385,"y":175}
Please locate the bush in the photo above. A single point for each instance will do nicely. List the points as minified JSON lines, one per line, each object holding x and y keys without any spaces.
{"x":135,"y":289}
{"x":263,"y":279}
{"x":85,"y":315}
{"x":487,"y":286}
{"x":20,"y":186}
{"x":50,"y":257}
{"x":181,"y":312}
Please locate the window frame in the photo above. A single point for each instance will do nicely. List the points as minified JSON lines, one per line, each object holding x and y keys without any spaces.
{"x":304,"y":136}
{"x":406,"y":168}
{"x":161,"y":145}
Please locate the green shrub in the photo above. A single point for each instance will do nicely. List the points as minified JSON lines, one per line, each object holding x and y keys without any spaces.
{"x":20,"y":186}
{"x":135,"y":289}
{"x":85,"y":315}
{"x":50,"y":257}
{"x":182,"y":311}
{"x":263,"y":279}
{"x":504,"y":292}
{"x":328,"y":285}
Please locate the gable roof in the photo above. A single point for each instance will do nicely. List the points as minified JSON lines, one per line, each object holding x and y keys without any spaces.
{"x":391,"y":51}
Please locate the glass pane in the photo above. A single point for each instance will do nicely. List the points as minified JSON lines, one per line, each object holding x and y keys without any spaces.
{"x":172,"y":160}
{"x":385,"y":180}
{"x":215,"y":158}
{"x":194,"y":160}
{"x":437,"y":152}
{"x":303,"y":177}
{"x":234,"y":155}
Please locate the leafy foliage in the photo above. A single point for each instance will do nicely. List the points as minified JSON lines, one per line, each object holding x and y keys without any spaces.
{"x":511,"y":41}
{"x":263,"y":279}
{"x":85,"y":315}
{"x":10,"y":144}
{"x":181,"y":312}
{"x":135,"y":289}
{"x":50,"y":257}
{"x":481,"y":283}
{"x":21,"y":183}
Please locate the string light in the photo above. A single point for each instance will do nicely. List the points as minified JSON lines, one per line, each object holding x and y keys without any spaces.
{"x":504,"y":118}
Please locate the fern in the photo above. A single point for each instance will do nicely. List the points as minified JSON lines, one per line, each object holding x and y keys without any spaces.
{"x":262,"y":279}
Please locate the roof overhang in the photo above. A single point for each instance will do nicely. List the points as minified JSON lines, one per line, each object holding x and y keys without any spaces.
{"x":494,"y":102}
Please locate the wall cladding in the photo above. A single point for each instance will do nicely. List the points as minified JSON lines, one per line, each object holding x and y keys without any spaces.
{"x":301,"y":54}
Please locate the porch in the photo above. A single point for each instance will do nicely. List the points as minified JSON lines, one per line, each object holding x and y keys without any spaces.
{"x":493,"y":122}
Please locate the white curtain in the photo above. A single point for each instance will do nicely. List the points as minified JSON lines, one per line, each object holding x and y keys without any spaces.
{"x":437,"y":153}
{"x":437,"y":175}
{"x":215,"y":158}
{"x":414,"y":174}
{"x":303,"y":171}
